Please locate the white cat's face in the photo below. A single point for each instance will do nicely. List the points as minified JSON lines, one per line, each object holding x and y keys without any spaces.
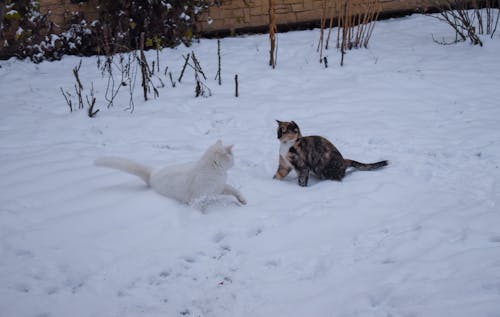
{"x":222,"y":155}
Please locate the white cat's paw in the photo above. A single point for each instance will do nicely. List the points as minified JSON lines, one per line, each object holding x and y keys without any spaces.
{"x":241,"y":200}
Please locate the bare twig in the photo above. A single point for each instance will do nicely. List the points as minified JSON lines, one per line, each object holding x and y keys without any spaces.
{"x":469,"y":18}
{"x":76,"y":69}
{"x":143,"y":64}
{"x":355,"y":24}
{"x":322,"y":30}
{"x":91,"y":103}
{"x":67,"y":97}
{"x":218,"y":75}
{"x":186,"y":60}
{"x":272,"y":34}
{"x":78,"y":85}
{"x":236,"y":94}
{"x":171,"y":80}
{"x":197,"y":65}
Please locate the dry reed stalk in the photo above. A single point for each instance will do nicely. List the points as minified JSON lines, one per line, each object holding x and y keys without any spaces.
{"x":339,"y":21}
{"x":376,"y":14}
{"x":330,"y":26}
{"x":344,"y":35}
{"x":359,"y":28}
{"x":322,"y":32}
{"x":363,"y":25}
{"x":347,"y":26}
{"x":143,"y":63}
{"x":355,"y":24}
{"x":236,"y":93}
{"x":272,"y":34}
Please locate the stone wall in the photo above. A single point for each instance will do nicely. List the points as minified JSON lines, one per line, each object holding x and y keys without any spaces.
{"x":60,"y":9}
{"x":236,"y":15}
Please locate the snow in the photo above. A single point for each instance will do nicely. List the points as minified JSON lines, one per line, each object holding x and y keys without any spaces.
{"x":418,"y":238}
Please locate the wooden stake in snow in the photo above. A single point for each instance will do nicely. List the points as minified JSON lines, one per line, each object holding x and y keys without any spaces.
{"x":272,"y":34}
{"x":236,"y":85}
{"x":218,"y":75}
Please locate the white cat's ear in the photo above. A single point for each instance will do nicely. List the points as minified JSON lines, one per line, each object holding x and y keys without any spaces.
{"x":219,"y":143}
{"x":229,"y":148}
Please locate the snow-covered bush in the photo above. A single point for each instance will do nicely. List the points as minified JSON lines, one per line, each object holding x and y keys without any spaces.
{"x":119,"y":24}
{"x":164,"y":22}
{"x":25,"y":32}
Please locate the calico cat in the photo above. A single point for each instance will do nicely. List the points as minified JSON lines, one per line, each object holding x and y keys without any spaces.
{"x":185,"y":182}
{"x":312,"y":154}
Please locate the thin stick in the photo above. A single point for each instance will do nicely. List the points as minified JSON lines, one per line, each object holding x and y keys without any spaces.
{"x":236,"y":86}
{"x":142,"y":61}
{"x":272,"y":34}
{"x":68,"y":101}
{"x":340,"y":13}
{"x":322,"y":29}
{"x":186,"y":60}
{"x":330,"y":26}
{"x":219,"y":63}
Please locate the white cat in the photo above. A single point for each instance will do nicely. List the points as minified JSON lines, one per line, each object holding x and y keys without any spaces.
{"x":185,"y":182}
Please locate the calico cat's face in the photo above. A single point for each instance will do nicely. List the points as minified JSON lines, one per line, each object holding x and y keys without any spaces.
{"x":288,"y":131}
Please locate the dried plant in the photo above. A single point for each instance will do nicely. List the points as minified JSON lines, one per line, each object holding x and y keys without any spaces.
{"x":358,"y":24}
{"x":91,"y":103}
{"x":119,"y":70}
{"x":67,"y":97}
{"x":78,"y":85}
{"x":272,"y":34}
{"x":236,"y":89}
{"x":186,"y":61}
{"x":355,"y":24}
{"x":469,"y":19}
{"x":201,"y":88}
{"x":218,"y":75}
{"x":147,"y":84}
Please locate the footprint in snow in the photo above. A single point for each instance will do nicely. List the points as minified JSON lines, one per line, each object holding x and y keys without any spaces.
{"x":224,"y":249}
{"x":159,"y":279}
{"x":187,"y":262}
{"x":24,"y":254}
{"x":218,"y":237}
{"x":254,"y":232}
{"x":23,"y":288}
{"x":495,"y":239}
{"x":52,"y":290}
{"x":272,"y":264}
{"x":388,"y":261}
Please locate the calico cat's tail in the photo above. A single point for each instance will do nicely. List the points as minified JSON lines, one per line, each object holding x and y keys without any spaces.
{"x":365,"y":167}
{"x":126,"y":166}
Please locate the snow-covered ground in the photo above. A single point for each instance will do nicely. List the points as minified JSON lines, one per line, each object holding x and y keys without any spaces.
{"x":418,"y":238}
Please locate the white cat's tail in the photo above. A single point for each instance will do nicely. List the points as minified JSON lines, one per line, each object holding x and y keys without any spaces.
{"x":126,"y":166}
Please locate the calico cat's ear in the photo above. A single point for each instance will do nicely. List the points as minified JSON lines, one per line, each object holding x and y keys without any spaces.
{"x":295,"y":127}
{"x":279,"y":122}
